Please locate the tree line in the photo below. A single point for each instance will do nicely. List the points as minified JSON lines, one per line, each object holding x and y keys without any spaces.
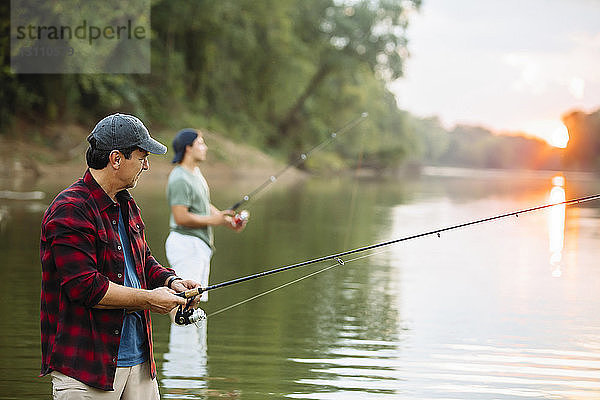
{"x":478,"y":147}
{"x":278,"y":74}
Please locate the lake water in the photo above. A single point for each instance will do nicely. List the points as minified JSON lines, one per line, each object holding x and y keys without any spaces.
{"x":501,"y":310}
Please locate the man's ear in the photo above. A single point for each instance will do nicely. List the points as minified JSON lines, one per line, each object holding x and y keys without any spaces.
{"x":114,"y":159}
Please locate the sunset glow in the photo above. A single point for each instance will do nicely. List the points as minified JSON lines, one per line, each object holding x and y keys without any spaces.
{"x":559,"y":137}
{"x":554,"y":132}
{"x":556,"y":224}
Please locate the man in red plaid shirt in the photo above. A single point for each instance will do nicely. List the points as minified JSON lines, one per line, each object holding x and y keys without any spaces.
{"x":99,"y":278}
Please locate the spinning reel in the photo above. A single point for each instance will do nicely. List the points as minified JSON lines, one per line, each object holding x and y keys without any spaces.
{"x":188,"y":315}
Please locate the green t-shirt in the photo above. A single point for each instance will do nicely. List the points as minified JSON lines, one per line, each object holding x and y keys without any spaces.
{"x":191,"y":190}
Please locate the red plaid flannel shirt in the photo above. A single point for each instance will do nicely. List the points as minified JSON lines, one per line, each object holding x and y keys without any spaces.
{"x":80,"y":253}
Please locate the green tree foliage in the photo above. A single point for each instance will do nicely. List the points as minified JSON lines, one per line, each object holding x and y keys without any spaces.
{"x":276,"y":73}
{"x":8,"y":81}
{"x":432,"y":139}
{"x":48,"y":97}
{"x":346,"y":37}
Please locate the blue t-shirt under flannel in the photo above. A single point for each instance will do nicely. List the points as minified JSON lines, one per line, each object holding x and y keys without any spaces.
{"x":132,"y":349}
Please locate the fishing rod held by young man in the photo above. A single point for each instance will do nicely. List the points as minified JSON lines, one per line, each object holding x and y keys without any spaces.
{"x":303,"y":157}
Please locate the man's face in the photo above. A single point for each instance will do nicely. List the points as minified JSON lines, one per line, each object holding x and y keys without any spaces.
{"x":132,"y":169}
{"x":198,"y":149}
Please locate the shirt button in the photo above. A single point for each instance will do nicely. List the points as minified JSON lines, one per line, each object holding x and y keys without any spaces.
{"x":137,"y":226}
{"x":116,"y":333}
{"x":119,"y":275}
{"x":114,"y":222}
{"x":118,"y":247}
{"x":114,"y":359}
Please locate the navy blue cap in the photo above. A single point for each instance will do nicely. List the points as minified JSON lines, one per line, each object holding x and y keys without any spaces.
{"x":184,"y":138}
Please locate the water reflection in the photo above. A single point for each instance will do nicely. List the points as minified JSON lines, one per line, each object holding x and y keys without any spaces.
{"x":556,"y":224}
{"x":184,"y":366}
{"x":3,"y":218}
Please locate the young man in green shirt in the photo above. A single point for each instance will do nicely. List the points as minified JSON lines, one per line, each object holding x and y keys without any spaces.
{"x":190,"y":245}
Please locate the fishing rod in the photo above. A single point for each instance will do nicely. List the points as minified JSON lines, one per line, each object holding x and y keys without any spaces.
{"x":338,"y":256}
{"x":303,"y":157}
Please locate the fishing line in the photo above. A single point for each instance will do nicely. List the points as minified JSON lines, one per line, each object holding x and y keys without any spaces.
{"x":338,"y":263}
{"x":303,"y":157}
{"x":351,"y":212}
{"x":338,"y":256}
{"x":271,"y":290}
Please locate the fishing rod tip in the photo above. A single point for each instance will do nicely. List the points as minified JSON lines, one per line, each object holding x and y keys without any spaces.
{"x":364,"y":115}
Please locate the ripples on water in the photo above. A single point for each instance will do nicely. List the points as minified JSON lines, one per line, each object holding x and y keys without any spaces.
{"x":512,"y":327}
{"x":453,"y":371}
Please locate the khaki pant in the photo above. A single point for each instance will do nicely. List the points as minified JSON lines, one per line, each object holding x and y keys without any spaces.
{"x":131,"y":383}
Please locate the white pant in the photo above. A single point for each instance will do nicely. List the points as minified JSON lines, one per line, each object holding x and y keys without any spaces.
{"x":190,"y":257}
{"x":131,"y":383}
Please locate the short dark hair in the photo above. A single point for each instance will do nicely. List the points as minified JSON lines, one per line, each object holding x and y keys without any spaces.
{"x":98,"y":159}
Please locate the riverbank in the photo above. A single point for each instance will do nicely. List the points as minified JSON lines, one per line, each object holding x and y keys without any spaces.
{"x":58,"y":154}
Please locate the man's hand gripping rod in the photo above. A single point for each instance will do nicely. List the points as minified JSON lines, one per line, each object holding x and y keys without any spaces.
{"x":188,"y":294}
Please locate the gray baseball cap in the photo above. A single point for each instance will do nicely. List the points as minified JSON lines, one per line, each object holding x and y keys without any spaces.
{"x":120,"y":131}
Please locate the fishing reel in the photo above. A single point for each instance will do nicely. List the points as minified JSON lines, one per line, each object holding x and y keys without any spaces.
{"x":239,"y":218}
{"x":188,"y":315}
